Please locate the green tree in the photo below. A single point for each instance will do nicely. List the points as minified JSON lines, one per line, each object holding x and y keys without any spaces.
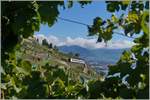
{"x":50,"y":45}
{"x":45,"y":43}
{"x":77,"y":55}
{"x":56,"y":48}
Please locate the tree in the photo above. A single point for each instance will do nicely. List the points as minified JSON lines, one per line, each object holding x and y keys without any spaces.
{"x":77,"y":54}
{"x":37,"y":40}
{"x":56,"y":48}
{"x":45,"y":43}
{"x":50,"y":45}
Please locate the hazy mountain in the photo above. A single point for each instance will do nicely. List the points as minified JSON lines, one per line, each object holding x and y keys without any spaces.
{"x":75,"y":49}
{"x":101,"y":56}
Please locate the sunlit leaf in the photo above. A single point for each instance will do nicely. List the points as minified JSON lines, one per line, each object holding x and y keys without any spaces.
{"x":145,"y":26}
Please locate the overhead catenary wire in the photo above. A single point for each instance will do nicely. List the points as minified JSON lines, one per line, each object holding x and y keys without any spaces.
{"x":73,"y":21}
{"x":80,"y":23}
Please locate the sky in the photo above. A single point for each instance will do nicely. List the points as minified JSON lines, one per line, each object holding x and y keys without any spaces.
{"x":67,"y":33}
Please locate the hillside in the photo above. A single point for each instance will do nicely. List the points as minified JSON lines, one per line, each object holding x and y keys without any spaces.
{"x":38,"y":55}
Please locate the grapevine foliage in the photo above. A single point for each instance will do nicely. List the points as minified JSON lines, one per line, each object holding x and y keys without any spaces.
{"x":133,"y":66}
{"x":20,"y":80}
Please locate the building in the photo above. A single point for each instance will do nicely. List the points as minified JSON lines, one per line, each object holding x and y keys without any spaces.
{"x":77,"y":61}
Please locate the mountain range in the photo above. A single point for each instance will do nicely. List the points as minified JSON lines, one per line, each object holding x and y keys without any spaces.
{"x":101,"y":56}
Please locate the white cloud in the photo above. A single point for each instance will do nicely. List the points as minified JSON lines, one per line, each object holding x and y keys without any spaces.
{"x":121,"y":44}
{"x":40,"y":37}
{"x":86,"y":43}
{"x":53,"y":39}
{"x":50,"y":39}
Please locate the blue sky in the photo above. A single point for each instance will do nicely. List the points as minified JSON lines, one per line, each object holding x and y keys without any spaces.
{"x":62,"y":29}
